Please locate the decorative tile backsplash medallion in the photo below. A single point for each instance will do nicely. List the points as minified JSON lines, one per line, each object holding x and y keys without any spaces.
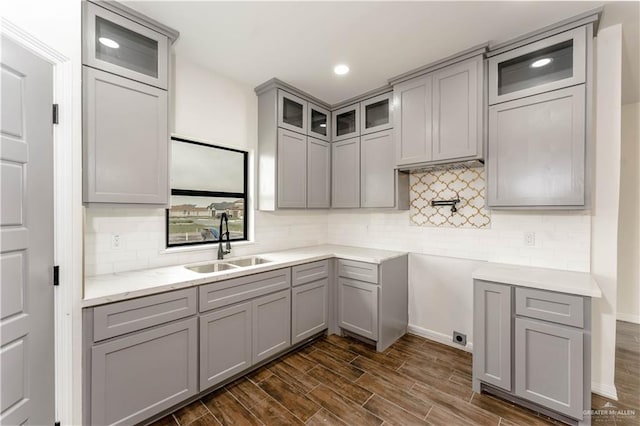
{"x":467,"y":184}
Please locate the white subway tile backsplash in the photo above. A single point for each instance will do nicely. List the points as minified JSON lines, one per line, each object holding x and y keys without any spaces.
{"x":562,"y":239}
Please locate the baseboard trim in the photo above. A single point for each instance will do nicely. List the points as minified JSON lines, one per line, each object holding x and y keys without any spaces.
{"x":628,"y":318}
{"x":436,"y":336}
{"x":608,"y":391}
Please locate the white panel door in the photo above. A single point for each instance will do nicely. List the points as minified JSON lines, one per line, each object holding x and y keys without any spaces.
{"x":26,"y":238}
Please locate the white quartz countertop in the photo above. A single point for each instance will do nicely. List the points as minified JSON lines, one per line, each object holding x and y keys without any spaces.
{"x":107,"y":288}
{"x":579,"y":283}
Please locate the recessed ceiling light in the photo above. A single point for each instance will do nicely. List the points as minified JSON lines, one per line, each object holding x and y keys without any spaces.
{"x":108,"y":42}
{"x":341,"y":69}
{"x":541,"y":62}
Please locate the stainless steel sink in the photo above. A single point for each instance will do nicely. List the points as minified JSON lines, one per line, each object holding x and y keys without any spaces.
{"x":211,"y":267}
{"x":208,"y":268}
{"x":248,"y":261}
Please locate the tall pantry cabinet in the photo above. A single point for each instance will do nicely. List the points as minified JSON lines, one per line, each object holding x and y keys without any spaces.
{"x":125,"y":106}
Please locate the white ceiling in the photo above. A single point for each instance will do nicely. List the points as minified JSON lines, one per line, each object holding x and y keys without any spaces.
{"x":300,"y":42}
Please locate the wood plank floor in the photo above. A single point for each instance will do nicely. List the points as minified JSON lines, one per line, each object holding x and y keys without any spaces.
{"x":340,"y":381}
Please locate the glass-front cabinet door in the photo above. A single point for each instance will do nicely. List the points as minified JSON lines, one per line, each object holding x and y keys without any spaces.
{"x":549,"y":64}
{"x":121,"y":46}
{"x":292,"y":112}
{"x":375,"y":114}
{"x":346,"y":122}
{"x":319,"y":123}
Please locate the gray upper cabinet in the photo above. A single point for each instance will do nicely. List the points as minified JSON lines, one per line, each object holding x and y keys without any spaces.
{"x":439,"y":115}
{"x":294,"y":163}
{"x":377,"y":170}
{"x":345,"y":172}
{"x":125,"y":106}
{"x":126,"y":388}
{"x":122,"y":46}
{"x":345,"y":123}
{"x":292,"y":112}
{"x":412,"y":121}
{"x":548,"y":64}
{"x":539,"y":123}
{"x":292,"y":169}
{"x":318,"y":173}
{"x":457,"y":111}
{"x":492,"y":334}
{"x":319,"y":123}
{"x":126,"y":140}
{"x":537,"y":150}
{"x":376,"y":113}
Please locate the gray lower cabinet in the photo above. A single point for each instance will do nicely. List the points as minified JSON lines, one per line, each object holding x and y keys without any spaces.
{"x":309,"y":309}
{"x":225,"y":343}
{"x":492,"y":334}
{"x":292,"y":169}
{"x":373,"y":299}
{"x":549,"y":365}
{"x":318,"y":173}
{"x":345,"y":172}
{"x":271,"y":325}
{"x":358,"y":307}
{"x":137,"y":376}
{"x":537,"y":151}
{"x":536,"y":351}
{"x":126,"y":140}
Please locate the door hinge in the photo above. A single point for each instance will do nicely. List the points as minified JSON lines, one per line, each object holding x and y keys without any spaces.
{"x":55,"y":114}
{"x":56,"y":275}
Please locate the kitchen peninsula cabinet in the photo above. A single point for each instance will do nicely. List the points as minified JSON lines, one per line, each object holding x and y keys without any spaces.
{"x":125,"y":106}
{"x":532,"y":344}
{"x":373,"y":300}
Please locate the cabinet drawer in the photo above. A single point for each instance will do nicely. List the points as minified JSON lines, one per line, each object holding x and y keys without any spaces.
{"x":309,"y":272}
{"x":358,"y":270}
{"x":237,"y":290}
{"x":548,"y":306}
{"x":133,"y":315}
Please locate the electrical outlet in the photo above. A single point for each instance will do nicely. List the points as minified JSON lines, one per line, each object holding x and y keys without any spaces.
{"x":530,"y":239}
{"x":459,"y":338}
{"x":115,"y":241}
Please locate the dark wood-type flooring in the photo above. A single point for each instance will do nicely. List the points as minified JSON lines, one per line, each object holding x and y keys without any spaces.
{"x":337,"y":381}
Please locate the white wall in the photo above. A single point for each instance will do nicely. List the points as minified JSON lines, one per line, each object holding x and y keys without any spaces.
{"x":442,"y":259}
{"x":211,"y":108}
{"x":56,"y":24}
{"x":604,"y":225}
{"x":629,"y":218}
